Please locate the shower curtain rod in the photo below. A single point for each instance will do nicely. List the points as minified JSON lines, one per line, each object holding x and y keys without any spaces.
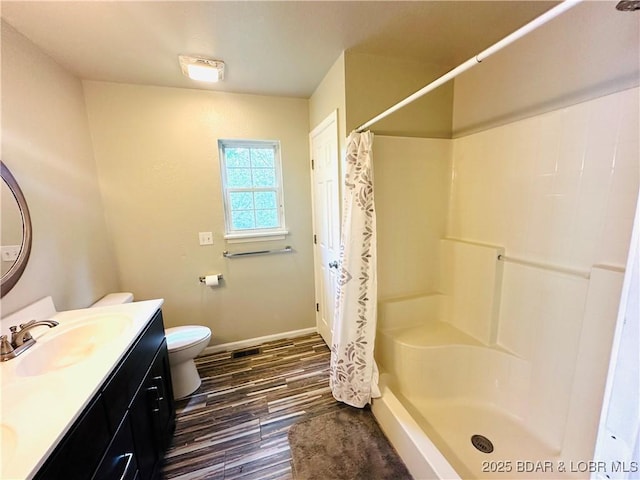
{"x":472,"y":62}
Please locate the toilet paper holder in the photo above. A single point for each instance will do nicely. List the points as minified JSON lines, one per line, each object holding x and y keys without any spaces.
{"x":202,"y":278}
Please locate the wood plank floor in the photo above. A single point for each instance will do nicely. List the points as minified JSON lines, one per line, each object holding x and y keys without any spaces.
{"x":235,"y":425}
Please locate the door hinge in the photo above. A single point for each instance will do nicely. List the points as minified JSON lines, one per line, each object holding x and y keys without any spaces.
{"x":317,"y":307}
{"x":315,"y":239}
{"x":312,"y":164}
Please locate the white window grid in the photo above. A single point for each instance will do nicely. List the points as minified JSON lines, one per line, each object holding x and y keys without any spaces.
{"x":230,"y":231}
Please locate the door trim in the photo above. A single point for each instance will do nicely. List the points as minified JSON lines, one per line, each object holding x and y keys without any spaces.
{"x":331,"y":121}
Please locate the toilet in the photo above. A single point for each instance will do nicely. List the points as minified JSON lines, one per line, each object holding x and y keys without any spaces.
{"x":184,"y":344}
{"x":114,"y":299}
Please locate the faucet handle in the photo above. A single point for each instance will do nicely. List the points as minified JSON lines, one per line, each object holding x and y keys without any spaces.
{"x":14,"y":333}
{"x":6,"y":350}
{"x":27,"y":335}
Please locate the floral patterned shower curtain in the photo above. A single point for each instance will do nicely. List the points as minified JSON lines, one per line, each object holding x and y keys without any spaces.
{"x":354,"y":374}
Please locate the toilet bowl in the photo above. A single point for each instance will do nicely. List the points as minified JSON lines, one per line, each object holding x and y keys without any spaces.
{"x":183,"y":343}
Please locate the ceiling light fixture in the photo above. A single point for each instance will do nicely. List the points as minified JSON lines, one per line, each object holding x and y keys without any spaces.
{"x":202,"y":69}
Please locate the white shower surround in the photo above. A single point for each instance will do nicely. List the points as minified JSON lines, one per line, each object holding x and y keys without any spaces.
{"x":571,"y":176}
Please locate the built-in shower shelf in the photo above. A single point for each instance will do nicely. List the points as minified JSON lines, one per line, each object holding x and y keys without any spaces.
{"x":433,"y":333}
{"x":437,"y":334}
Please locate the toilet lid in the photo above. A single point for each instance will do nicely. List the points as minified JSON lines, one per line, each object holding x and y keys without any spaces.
{"x":184,"y":337}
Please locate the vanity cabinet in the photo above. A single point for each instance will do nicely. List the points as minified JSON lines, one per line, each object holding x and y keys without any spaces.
{"x":120,"y":460}
{"x":128,"y":425}
{"x":153,"y":416}
{"x":83,"y":447}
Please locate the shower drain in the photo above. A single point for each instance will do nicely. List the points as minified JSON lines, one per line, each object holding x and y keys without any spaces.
{"x":482,"y":443}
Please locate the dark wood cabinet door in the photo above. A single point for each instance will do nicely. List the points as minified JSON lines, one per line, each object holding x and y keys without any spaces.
{"x":78,"y":455}
{"x":120,"y":460}
{"x":153,"y":416}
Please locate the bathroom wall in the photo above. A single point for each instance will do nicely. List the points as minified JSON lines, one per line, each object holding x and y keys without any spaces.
{"x":410,"y":175}
{"x":375,"y":83}
{"x":329,"y":96}
{"x":587,"y":52}
{"x":157,"y":156}
{"x":361,"y":85}
{"x":47,"y":146}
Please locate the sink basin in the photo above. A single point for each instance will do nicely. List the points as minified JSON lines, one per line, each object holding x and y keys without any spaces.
{"x":74,"y":344}
{"x":8,"y":441}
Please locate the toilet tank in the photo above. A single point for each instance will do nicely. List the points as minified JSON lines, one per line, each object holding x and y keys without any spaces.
{"x":114,"y":299}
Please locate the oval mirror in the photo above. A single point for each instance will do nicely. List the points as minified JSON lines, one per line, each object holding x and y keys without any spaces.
{"x":15,"y":235}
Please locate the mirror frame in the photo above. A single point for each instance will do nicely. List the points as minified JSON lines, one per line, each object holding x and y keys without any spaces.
{"x":12,"y":276}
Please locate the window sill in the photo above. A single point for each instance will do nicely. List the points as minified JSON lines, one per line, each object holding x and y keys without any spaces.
{"x":256,"y":236}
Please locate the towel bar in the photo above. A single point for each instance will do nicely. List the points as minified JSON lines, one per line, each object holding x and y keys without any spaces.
{"x":228,"y":254}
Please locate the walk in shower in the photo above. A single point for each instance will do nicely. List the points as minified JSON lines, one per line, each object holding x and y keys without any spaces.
{"x":501,"y":260}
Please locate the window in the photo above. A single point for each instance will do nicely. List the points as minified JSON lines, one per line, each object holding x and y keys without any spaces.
{"x":252,"y":188}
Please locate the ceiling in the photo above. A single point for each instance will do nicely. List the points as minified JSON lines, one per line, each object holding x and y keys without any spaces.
{"x":273,"y":48}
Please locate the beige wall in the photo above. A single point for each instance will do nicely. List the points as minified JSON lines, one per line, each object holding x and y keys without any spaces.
{"x":157,"y":155}
{"x":47,"y":146}
{"x":330,"y":96}
{"x":375,"y":83}
{"x":589,"y":51}
{"x":411,"y":178}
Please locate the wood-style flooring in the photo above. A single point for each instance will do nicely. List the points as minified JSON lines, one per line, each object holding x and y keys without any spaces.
{"x":235,"y":425}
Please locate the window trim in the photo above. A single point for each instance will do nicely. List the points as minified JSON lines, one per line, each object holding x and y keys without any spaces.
{"x":256,"y":234}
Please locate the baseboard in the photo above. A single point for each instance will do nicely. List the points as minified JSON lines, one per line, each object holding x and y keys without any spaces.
{"x":251,"y":342}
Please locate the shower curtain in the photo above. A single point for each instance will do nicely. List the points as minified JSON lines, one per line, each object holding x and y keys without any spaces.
{"x":353,"y":373}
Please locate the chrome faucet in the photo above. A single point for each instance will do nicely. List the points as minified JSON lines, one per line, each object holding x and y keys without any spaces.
{"x":21,"y":339}
{"x":18,"y":337}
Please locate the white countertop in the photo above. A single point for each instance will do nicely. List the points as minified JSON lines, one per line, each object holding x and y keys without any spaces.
{"x":37,"y":410}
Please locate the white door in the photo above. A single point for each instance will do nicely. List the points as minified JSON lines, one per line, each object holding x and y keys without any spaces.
{"x":326,"y":220}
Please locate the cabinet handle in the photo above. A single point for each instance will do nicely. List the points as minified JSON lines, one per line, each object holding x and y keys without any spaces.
{"x":160,"y":384}
{"x":156,"y":408}
{"x":129,"y":457}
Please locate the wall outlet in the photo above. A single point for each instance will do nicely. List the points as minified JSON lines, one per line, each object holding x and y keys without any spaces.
{"x":10,"y":253}
{"x":206,"y":238}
